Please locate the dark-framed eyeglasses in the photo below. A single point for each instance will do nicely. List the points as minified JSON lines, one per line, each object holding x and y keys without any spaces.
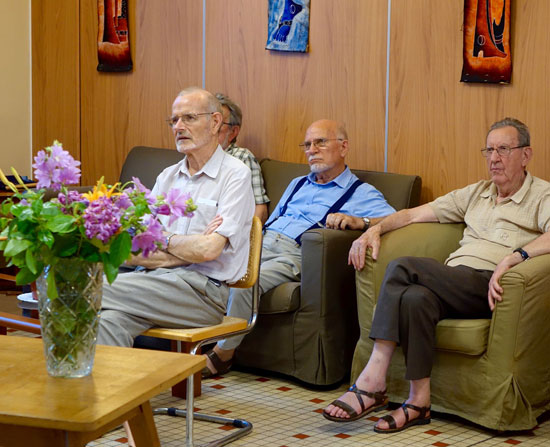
{"x":319,"y":143}
{"x":186,"y":118}
{"x":503,"y":151}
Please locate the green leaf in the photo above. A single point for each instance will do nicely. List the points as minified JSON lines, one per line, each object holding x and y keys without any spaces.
{"x":110,"y":270}
{"x":25,"y":276}
{"x":15,"y":246}
{"x":30,"y":260}
{"x":61,"y":224}
{"x":52,"y":289}
{"x":46,"y":237}
{"x":120,"y":249}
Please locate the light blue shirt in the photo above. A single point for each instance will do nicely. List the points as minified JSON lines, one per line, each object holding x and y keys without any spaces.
{"x":312,"y":201}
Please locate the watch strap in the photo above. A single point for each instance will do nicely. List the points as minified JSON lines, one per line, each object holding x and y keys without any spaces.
{"x":522,"y":252}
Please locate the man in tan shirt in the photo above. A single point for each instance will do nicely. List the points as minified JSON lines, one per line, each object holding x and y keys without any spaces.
{"x":507,"y":221}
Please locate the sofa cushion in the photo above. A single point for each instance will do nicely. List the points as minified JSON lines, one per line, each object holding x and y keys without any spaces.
{"x":464,"y":336}
{"x":282,"y":299}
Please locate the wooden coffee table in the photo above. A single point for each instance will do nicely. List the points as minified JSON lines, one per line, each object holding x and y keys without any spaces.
{"x":37,"y":410}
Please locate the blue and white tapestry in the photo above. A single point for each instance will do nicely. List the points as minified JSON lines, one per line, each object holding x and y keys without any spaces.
{"x":288,"y":26}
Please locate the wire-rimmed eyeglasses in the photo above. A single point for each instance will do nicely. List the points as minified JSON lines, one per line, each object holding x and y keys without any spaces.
{"x":186,"y":118}
{"x":319,"y":143}
{"x":503,"y":151}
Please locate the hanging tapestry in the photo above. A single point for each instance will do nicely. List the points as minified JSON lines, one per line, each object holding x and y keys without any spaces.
{"x":288,"y":25}
{"x":113,"y":42}
{"x":486,"y":47}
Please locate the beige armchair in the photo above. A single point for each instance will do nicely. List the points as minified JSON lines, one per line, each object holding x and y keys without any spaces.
{"x":494,"y":372}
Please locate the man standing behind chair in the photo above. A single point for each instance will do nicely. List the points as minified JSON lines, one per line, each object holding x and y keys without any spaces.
{"x":507,"y":221}
{"x":231,"y":126}
{"x":184,"y":285}
{"x":330,"y":187}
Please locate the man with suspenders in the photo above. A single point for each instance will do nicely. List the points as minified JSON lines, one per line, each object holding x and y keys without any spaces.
{"x":306,"y":203}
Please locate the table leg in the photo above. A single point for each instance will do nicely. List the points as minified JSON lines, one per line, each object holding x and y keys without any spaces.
{"x":142,"y":427}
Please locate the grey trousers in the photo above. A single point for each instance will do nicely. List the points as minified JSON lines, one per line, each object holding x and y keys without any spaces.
{"x":281,"y":262}
{"x":415,"y":295}
{"x":176,"y":298}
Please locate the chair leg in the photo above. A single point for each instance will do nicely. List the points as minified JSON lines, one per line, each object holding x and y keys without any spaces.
{"x":244,"y":427}
{"x":180,"y":389}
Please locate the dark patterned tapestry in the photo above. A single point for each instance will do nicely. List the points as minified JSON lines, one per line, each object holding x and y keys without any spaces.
{"x":486,"y":50}
{"x":113,"y":40}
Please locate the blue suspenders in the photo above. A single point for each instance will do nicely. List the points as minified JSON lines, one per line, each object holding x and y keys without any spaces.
{"x":333,"y":209}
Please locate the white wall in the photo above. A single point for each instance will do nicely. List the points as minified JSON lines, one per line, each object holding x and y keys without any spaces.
{"x":15,"y":86}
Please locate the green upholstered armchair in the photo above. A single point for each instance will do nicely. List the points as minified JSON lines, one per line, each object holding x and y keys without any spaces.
{"x":494,"y":372}
{"x":308,"y":329}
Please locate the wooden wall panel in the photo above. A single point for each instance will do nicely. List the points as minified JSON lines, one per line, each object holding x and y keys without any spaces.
{"x":55,"y":74}
{"x":122,"y":110}
{"x":342,"y":76}
{"x":437,"y":124}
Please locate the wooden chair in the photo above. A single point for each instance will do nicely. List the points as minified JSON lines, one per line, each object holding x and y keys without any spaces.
{"x":191,"y":340}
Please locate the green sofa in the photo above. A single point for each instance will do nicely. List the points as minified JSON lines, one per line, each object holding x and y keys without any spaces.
{"x":494,"y":372}
{"x":308,"y":329}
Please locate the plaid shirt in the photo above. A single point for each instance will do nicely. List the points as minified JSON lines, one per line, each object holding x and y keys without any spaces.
{"x":249,"y":160}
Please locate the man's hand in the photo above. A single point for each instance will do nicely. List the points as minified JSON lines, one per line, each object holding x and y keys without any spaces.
{"x":495,"y":289}
{"x":213,"y":225}
{"x":341,"y":221}
{"x":358,"y":251}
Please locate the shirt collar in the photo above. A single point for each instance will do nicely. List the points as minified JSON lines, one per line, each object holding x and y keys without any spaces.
{"x":211,"y":168}
{"x":519,"y":194}
{"x":342,"y":180}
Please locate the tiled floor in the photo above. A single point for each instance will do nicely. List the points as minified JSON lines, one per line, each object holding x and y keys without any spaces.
{"x":286,"y":414}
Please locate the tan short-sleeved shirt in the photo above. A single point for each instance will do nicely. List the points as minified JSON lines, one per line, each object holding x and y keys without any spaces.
{"x":494,"y":230}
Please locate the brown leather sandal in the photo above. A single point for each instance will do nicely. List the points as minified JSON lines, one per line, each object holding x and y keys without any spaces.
{"x":221,"y":366}
{"x":380,"y":403}
{"x":421,"y":419}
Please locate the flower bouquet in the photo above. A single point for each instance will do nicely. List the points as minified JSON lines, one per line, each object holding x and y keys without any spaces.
{"x":67,"y":243}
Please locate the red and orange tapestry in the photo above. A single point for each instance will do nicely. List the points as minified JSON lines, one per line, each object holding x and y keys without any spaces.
{"x":486,"y":48}
{"x":113,"y":39}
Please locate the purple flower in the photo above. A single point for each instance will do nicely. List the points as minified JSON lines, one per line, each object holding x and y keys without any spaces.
{"x":69,"y":198}
{"x":142,"y":188}
{"x":178,"y":203}
{"x":148,"y":239}
{"x":123,"y":201}
{"x":55,"y":167}
{"x":102,"y":219}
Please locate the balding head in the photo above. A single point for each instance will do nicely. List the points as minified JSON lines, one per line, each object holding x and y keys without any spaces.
{"x":326,"y":147}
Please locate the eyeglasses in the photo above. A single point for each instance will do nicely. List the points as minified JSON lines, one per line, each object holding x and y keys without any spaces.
{"x":229,"y":124}
{"x":186,"y":118}
{"x":319,"y":143}
{"x":503,"y":151}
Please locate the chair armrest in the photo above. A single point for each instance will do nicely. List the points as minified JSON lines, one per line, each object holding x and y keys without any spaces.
{"x":326,"y":276}
{"x":431,"y":240}
{"x":326,"y":322}
{"x":519,"y":338}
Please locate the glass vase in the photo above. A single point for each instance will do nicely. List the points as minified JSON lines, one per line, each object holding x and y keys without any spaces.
{"x":69,"y":322}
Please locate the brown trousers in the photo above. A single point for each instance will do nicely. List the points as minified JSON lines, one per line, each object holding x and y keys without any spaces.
{"x":415,"y":295}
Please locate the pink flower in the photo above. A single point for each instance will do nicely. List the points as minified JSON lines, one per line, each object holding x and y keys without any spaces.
{"x":148,"y":239}
{"x":178,"y":204}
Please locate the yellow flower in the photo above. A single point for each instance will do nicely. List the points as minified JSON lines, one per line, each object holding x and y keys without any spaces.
{"x":100,"y":190}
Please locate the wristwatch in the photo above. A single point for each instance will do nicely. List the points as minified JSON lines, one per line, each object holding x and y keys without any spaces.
{"x":167,"y":240}
{"x":522,"y":252}
{"x":366,"y":220}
